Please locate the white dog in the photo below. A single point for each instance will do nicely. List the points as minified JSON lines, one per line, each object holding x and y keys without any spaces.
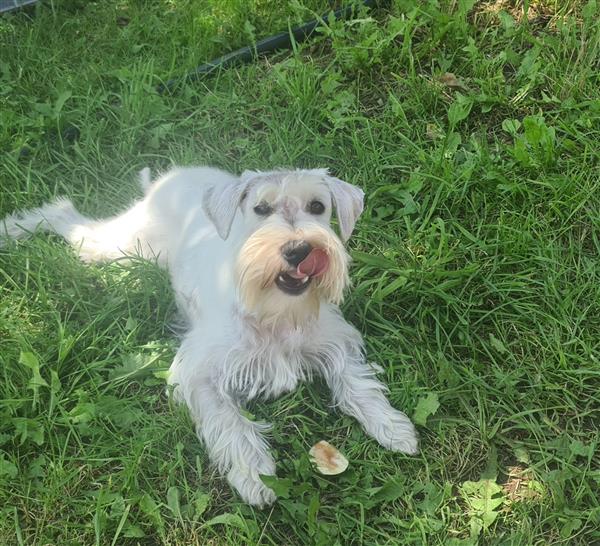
{"x":258,"y":273}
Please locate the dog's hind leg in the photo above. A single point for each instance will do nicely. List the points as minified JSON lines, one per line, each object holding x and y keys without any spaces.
{"x":93,"y":240}
{"x":58,"y":216}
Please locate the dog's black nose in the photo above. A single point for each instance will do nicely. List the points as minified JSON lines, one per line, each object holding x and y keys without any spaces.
{"x":295,"y":251}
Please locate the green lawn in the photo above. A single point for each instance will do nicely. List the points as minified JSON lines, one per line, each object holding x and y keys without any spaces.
{"x":476,"y":269}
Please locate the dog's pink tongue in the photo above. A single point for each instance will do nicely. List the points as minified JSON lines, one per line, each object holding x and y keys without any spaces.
{"x":315,"y":264}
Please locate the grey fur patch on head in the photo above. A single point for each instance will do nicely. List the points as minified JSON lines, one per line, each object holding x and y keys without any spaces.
{"x":348,"y":199}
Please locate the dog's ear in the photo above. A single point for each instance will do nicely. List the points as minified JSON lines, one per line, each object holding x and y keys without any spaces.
{"x":348,"y":201}
{"x":221,"y":201}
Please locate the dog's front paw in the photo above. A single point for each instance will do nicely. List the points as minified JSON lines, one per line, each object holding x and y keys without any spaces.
{"x":395,"y":431}
{"x":246,"y":481}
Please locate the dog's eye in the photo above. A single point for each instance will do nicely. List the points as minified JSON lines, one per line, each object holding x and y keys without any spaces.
{"x":316,"y":207}
{"x":262,"y":209}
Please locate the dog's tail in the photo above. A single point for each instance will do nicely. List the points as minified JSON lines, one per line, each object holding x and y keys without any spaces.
{"x":93,"y":240}
{"x":145,"y":180}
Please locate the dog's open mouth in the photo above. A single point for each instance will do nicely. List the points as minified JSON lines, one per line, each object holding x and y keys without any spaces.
{"x":291,"y":285}
{"x":295,"y":281}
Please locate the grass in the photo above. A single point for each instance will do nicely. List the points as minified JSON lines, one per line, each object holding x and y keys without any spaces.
{"x":476,"y":269}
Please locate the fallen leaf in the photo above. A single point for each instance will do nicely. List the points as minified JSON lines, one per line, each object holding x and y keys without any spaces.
{"x":426,"y":406}
{"x":450,"y":80}
{"x":433,"y":132}
{"x":485,"y":499}
{"x":327,"y":459}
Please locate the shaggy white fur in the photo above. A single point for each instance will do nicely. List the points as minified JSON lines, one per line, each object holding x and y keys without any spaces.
{"x":261,"y":317}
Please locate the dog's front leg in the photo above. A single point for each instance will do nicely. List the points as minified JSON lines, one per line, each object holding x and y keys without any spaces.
{"x":358,"y":393}
{"x":234,"y":443}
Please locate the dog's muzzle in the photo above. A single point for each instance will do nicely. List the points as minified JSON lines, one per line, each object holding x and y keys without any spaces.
{"x":305,"y":263}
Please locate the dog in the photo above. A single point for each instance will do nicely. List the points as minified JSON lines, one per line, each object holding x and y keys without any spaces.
{"x":258,"y":274}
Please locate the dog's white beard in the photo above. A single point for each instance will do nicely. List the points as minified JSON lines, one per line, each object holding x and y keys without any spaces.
{"x":260,"y":262}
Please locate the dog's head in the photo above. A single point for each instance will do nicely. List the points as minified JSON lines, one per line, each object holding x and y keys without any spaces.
{"x":290,"y":259}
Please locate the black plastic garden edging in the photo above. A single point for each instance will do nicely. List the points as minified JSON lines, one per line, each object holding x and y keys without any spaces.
{"x":280,"y":41}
